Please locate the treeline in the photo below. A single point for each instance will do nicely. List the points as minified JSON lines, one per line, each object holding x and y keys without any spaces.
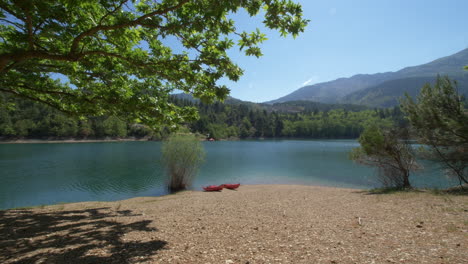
{"x":33,"y":120}
{"x":218,"y":120}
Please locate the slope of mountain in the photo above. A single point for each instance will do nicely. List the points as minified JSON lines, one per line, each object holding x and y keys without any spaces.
{"x":388,"y":94}
{"x":310,"y":106}
{"x":328,"y":92}
{"x":339,"y":89}
{"x":287,"y":107}
{"x":229,"y":99}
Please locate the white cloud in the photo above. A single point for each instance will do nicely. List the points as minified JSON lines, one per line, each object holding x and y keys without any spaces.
{"x":311,"y":80}
{"x":332,"y":11}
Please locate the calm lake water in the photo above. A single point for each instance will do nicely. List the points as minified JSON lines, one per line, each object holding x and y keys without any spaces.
{"x":36,"y":174}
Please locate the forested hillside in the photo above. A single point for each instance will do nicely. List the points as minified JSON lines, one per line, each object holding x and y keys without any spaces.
{"x":218,"y":120}
{"x":33,"y":120}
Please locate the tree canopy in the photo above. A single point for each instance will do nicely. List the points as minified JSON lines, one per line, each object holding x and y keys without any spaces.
{"x":124,"y":57}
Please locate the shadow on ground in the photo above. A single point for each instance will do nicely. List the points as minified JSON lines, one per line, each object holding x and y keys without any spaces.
{"x":77,"y":236}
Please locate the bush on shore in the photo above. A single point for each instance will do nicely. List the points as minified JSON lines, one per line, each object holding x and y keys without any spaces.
{"x":385,"y":150}
{"x":182,"y":156}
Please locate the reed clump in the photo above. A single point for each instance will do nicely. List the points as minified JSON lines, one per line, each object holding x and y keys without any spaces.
{"x":182,"y":155}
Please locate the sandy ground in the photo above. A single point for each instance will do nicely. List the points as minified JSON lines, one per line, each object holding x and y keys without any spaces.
{"x":256,"y":224}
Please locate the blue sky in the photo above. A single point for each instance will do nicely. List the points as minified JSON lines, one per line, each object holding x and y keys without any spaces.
{"x":345,"y":38}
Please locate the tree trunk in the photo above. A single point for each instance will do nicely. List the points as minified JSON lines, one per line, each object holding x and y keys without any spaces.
{"x":406,"y":183}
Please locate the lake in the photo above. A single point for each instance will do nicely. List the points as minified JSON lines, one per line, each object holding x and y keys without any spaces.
{"x":37,"y":174}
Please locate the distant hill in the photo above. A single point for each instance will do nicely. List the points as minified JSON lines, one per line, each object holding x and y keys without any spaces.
{"x":229,"y":99}
{"x":308,"y":106}
{"x":387,"y":94}
{"x":287,"y":107}
{"x":329,"y":92}
{"x":370,"y":89}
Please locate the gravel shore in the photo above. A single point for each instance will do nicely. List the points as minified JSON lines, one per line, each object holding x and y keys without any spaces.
{"x":255,"y":224}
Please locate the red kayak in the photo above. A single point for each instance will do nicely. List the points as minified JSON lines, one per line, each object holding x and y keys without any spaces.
{"x":231,"y":186}
{"x":213,"y":188}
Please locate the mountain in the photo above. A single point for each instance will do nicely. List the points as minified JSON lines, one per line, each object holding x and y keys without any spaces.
{"x":329,"y":92}
{"x":228,"y":101}
{"x":287,"y":107}
{"x":189,"y":97}
{"x":388,"y":94}
{"x":310,"y":106}
{"x":370,"y":89}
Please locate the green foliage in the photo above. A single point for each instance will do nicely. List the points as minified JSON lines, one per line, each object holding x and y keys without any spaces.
{"x":219,"y":120}
{"x":124,"y":57}
{"x":372,"y":141}
{"x":23,"y":127}
{"x":182,"y":155}
{"x":384,"y":149}
{"x":440,"y":121}
{"x":85,"y":129}
{"x":244,"y":120}
{"x":309,"y":106}
{"x":115,"y":127}
{"x":34,"y":120}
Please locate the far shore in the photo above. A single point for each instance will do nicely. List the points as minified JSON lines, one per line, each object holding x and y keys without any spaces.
{"x":255,"y":224}
{"x":71,"y":140}
{"x":25,"y":141}
{"x":36,"y":141}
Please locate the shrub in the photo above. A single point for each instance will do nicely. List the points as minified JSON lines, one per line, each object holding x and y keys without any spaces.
{"x":182,"y":155}
{"x":389,"y":153}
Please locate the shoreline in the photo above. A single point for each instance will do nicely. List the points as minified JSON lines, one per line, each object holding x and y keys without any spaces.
{"x":455,"y":190}
{"x":36,"y":141}
{"x":255,"y":224}
{"x":52,"y":141}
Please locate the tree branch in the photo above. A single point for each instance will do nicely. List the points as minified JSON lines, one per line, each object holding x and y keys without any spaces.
{"x":32,"y":54}
{"x":29,"y":27}
{"x":138,"y":21}
{"x":19,"y":26}
{"x":9,"y":11}
{"x":36,"y":99}
{"x":113,"y":11}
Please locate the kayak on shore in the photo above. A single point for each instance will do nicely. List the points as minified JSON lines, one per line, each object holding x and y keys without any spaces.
{"x":213,"y":188}
{"x":231,"y":186}
{"x":217,"y":188}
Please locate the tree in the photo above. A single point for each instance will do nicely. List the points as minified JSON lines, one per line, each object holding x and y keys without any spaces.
{"x":6,"y":126}
{"x":115,"y":127}
{"x":124,"y":57}
{"x":393,"y":157}
{"x":441,"y":122}
{"x":182,"y":155}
